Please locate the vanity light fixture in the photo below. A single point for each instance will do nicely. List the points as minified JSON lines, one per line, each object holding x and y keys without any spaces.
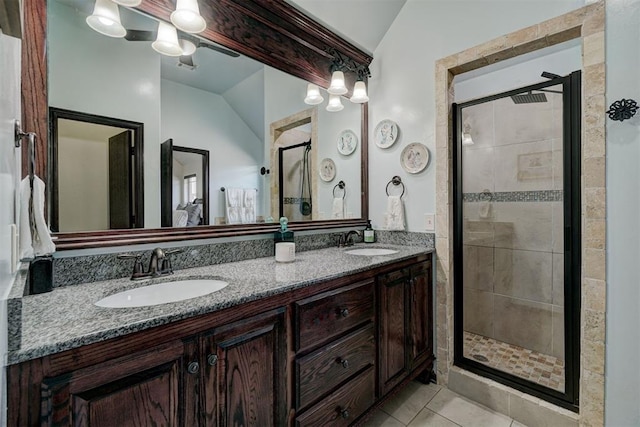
{"x":188,"y":47}
{"x":167,"y":40}
{"x":359,"y":93}
{"x":466,"y":135}
{"x":187,"y":17}
{"x":337,"y":86}
{"x":334,"y":104}
{"x":128,"y":3}
{"x":313,"y":95}
{"x":105,"y":19}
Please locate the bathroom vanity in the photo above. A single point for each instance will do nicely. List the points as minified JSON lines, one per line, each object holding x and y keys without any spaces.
{"x":320,"y":341}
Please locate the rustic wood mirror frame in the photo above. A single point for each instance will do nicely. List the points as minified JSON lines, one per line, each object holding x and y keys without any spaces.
{"x":270,"y":31}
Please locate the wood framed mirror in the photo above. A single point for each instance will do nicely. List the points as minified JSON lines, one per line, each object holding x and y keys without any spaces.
{"x":271,"y":32}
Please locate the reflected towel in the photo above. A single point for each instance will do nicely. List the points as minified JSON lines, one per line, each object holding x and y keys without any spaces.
{"x":484,"y":211}
{"x":249,"y":197}
{"x":337,"y":208}
{"x":233,"y":205}
{"x":394,"y":218}
{"x":35,"y":237}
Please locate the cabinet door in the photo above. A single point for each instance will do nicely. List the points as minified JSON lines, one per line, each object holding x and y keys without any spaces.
{"x":245,"y":375}
{"x":420,"y":321}
{"x":142,"y":389}
{"x":393,"y":360}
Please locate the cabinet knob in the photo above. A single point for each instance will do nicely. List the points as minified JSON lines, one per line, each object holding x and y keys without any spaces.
{"x":193,"y":368}
{"x":344,"y":312}
{"x":212,"y":359}
{"x":344,"y":363}
{"x":344,"y":413}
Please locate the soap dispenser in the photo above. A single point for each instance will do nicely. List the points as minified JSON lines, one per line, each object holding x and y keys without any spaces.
{"x":369,"y":233}
{"x":283,"y":235}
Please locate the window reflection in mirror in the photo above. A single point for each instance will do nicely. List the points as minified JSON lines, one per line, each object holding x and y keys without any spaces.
{"x":219,"y":102}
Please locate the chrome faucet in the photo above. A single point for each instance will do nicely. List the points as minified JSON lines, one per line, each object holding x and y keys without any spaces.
{"x":346,"y":238}
{"x":159,"y":264}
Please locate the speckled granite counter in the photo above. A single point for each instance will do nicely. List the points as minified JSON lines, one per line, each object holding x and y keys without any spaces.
{"x":67,"y":318}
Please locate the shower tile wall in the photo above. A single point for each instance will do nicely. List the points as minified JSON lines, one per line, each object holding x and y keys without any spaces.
{"x":293,"y":172}
{"x":513,"y":224}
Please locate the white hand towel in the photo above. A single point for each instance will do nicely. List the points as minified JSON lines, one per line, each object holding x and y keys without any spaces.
{"x":249,"y":197}
{"x":233,"y":205}
{"x":337,"y":209}
{"x":394,"y":218}
{"x":35,"y":238}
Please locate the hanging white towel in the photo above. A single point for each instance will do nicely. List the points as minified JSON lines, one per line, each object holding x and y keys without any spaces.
{"x":394,"y":218}
{"x":337,"y":209}
{"x":233,"y":205}
{"x":249,"y":197}
{"x":35,"y":237}
{"x":484,"y":211}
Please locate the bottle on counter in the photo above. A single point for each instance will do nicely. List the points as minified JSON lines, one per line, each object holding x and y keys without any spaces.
{"x":369,"y":233}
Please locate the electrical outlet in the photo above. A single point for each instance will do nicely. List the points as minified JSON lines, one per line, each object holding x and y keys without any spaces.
{"x":429,"y":222}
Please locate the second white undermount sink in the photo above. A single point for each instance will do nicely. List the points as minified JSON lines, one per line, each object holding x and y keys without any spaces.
{"x":371,"y":251}
{"x":162,"y":293}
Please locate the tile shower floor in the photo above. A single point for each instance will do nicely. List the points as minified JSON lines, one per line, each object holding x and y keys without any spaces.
{"x":537,"y":367}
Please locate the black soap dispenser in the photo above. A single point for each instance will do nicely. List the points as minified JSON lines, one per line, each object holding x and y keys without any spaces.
{"x":283,"y":235}
{"x":369,"y":233}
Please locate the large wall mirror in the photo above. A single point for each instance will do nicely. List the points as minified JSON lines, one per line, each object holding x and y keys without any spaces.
{"x":241,"y":112}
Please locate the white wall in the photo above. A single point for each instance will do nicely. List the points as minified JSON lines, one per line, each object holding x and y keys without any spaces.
{"x":83,"y":177}
{"x":10,"y":175}
{"x":246,"y":99}
{"x":199,"y":119}
{"x":622,"y":383}
{"x":95,"y":74}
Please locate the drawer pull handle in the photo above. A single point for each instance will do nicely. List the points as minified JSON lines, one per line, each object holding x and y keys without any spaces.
{"x":212,"y":359}
{"x":193,"y":368}
{"x":344,"y":312}
{"x":344,"y":413}
{"x":344,"y":363}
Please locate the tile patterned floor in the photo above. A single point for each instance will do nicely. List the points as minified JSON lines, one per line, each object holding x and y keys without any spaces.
{"x":430,"y":405}
{"x":537,"y":367}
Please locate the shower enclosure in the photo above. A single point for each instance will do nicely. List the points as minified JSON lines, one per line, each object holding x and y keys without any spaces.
{"x":295,"y":181}
{"x":517,"y":238}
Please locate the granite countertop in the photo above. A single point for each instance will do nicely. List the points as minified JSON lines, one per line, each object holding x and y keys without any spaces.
{"x":67,"y":318}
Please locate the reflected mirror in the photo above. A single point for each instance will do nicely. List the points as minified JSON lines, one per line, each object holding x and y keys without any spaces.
{"x":237,"y":110}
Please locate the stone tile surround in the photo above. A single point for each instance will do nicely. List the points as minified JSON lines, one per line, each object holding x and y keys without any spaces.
{"x":587,"y":24}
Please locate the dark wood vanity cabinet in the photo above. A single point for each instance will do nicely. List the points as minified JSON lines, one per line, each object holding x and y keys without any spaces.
{"x":315,"y":356}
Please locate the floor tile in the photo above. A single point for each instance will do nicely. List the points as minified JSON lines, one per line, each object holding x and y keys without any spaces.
{"x":428,"y":418}
{"x":382,"y":419}
{"x":464,"y":412}
{"x":407,"y":403}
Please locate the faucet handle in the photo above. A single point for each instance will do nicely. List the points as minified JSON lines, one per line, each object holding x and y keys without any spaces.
{"x":129,"y":256}
{"x":166,"y":262}
{"x":138,"y":271}
{"x":173,"y":251}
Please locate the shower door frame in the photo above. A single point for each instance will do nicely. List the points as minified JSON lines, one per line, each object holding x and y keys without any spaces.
{"x":571,"y":136}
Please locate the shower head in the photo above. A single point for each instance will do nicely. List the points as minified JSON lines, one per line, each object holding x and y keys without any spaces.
{"x":529,"y":98}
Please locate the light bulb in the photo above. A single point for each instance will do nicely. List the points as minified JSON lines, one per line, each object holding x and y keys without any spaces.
{"x":187,"y":17}
{"x":334,"y":104}
{"x":313,"y":95}
{"x":167,"y":40}
{"x":337,"y":86}
{"x":105,"y":19}
{"x":359,"y":93}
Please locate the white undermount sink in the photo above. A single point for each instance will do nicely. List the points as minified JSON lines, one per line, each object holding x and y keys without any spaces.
{"x":371,"y":251}
{"x":162,"y":293}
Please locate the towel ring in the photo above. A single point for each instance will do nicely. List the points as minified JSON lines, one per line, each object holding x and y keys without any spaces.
{"x":396,"y":180}
{"x":342,"y":186}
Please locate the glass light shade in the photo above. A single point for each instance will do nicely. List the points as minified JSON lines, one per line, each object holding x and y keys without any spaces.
{"x":313,"y":95}
{"x":466,"y":139}
{"x":128,"y":3}
{"x":167,"y":41}
{"x":337,"y":86}
{"x":334,"y":104}
{"x":188,"y":48}
{"x":187,"y":17}
{"x":106,"y":19}
{"x":359,"y":93}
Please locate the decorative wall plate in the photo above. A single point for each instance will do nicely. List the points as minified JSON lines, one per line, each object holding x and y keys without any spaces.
{"x":414,"y":157}
{"x":347,"y":142}
{"x":327,"y":170}
{"x":386,"y":133}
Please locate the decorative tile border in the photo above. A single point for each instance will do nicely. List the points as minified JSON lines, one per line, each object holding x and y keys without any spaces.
{"x":294,"y":200}
{"x":588,"y":25}
{"x":515,"y":196}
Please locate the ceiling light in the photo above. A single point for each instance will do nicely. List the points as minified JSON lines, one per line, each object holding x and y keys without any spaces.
{"x":337,"y":86}
{"x":167,"y":41}
{"x":128,"y":3}
{"x":188,"y":48}
{"x":313,"y":95}
{"x":359,"y":93}
{"x":334,"y":104}
{"x":106,"y":19}
{"x":187,"y":17}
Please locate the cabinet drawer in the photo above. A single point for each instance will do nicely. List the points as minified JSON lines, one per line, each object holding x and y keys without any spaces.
{"x":345,"y":405}
{"x":319,"y":372}
{"x":323,"y":316}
